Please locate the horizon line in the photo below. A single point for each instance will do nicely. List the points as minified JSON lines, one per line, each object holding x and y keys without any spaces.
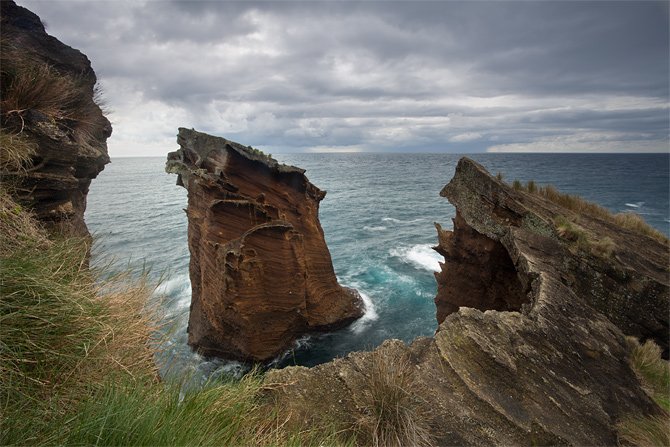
{"x":432,"y":153}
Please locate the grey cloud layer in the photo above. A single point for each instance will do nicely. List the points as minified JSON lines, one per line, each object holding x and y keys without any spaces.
{"x":407,"y":76}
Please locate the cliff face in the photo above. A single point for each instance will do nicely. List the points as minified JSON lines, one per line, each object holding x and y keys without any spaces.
{"x":260,"y":269}
{"x":627,"y":283}
{"x":530,"y":347}
{"x":53,"y":132}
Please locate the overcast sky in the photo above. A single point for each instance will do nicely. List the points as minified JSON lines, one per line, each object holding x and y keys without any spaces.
{"x":439,"y":76}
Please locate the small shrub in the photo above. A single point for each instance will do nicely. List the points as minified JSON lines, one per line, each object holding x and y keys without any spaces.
{"x":392,"y":414}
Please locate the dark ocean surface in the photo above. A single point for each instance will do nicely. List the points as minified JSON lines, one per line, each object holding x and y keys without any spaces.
{"x":378,"y":220}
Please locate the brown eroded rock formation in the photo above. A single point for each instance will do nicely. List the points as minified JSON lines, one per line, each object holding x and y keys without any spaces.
{"x":53,"y":132}
{"x":530,"y":349}
{"x":260,"y":270}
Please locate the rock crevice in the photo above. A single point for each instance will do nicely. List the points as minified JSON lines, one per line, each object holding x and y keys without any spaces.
{"x":477,"y":272}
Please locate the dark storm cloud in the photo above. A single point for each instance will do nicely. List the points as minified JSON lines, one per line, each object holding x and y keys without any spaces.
{"x":412,"y":76}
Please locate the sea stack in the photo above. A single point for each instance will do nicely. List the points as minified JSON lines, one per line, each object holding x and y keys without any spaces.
{"x":261,"y":272}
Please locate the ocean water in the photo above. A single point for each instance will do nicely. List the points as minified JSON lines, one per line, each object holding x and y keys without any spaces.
{"x":378,"y":220}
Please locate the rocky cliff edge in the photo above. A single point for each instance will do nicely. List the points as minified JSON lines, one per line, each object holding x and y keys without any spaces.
{"x":53,"y":132}
{"x":531,"y":346}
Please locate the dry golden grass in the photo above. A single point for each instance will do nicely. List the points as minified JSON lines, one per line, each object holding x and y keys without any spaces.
{"x":31,"y":85}
{"x":653,"y":371}
{"x":646,"y":431}
{"x":603,"y":247}
{"x":392,"y":414}
{"x":77,"y":359}
{"x":18,"y":228}
{"x":629,"y":221}
{"x":124,"y":344}
{"x":16,"y":152}
{"x":654,"y":375}
{"x":60,"y":329}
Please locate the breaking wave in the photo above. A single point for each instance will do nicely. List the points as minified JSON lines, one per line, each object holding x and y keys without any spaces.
{"x":370,"y":315}
{"x":421,"y":256}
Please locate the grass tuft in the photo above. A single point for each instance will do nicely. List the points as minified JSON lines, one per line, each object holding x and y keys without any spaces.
{"x":582,"y":240}
{"x":654,"y":374}
{"x":16,"y":152}
{"x":393,"y":415}
{"x":570,"y":231}
{"x":531,"y":187}
{"x":77,"y":359}
{"x":646,"y":431}
{"x":30,"y":87}
{"x":18,"y":229}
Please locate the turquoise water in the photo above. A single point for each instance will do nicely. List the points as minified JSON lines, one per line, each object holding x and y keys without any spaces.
{"x":378,"y":220}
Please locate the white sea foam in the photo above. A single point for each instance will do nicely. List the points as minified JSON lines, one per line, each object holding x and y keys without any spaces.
{"x":394,"y":220}
{"x":175,"y":285}
{"x":421,"y":256}
{"x":379,"y":228}
{"x":370,"y":315}
{"x":635,"y":205}
{"x":175,"y":295}
{"x":300,"y":343}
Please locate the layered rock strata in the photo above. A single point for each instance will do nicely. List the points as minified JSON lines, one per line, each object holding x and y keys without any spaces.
{"x":49,"y":114}
{"x":260,"y":270}
{"x":629,"y":285}
{"x":525,"y":353}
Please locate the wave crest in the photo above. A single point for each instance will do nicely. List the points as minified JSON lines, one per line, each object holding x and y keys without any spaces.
{"x":421,"y":256}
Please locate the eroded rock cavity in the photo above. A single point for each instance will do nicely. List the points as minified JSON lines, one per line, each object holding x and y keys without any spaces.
{"x":260,"y":270}
{"x":478,"y":272}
